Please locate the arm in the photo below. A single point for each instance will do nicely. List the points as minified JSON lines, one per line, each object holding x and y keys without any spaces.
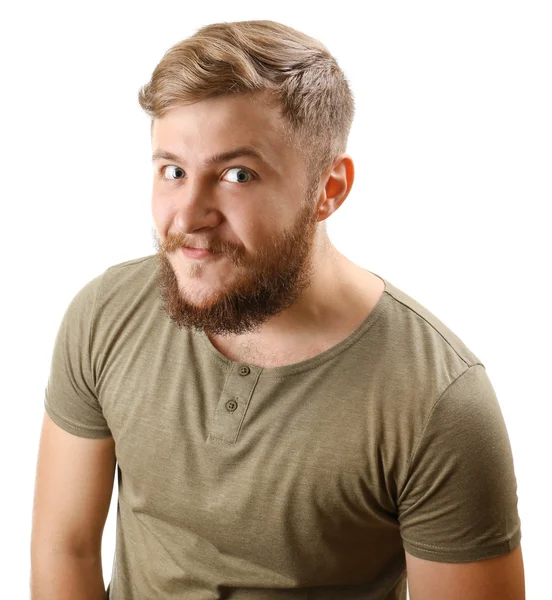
{"x":499,"y":578}
{"x":458,"y":508}
{"x":73,"y":488}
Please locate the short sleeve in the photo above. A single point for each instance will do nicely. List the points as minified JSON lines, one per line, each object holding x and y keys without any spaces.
{"x":459,"y":500}
{"x":70,"y":399}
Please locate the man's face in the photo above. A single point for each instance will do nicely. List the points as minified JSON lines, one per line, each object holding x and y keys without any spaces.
{"x":259,"y":219}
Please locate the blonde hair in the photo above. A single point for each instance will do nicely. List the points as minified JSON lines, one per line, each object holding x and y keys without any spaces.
{"x":291,"y":69}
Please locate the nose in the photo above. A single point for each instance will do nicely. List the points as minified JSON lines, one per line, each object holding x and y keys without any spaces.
{"x":195,"y":208}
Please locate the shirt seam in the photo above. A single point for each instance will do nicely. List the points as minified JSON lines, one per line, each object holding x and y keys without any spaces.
{"x":432,"y":326}
{"x":80,"y":425}
{"x":91,"y":324}
{"x":416,"y":447}
{"x":506,"y":539}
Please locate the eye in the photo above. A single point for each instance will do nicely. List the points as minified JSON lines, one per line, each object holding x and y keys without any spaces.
{"x":241,"y":174}
{"x":176,"y":170}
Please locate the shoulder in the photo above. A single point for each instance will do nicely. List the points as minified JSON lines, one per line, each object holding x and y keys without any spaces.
{"x":122,"y":296}
{"x":127,"y":282}
{"x":424,"y":333}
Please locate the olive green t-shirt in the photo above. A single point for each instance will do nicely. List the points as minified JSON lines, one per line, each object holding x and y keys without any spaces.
{"x":305,"y":481}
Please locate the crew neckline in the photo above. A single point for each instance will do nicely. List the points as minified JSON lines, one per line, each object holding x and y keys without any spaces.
{"x":314,"y":361}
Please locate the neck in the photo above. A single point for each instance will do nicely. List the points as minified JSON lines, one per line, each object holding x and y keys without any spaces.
{"x":334,"y":299}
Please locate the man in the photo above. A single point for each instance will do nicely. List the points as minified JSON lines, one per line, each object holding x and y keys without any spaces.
{"x":286,"y":424}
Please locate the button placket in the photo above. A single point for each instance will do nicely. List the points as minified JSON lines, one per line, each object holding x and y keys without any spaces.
{"x":233,"y":403}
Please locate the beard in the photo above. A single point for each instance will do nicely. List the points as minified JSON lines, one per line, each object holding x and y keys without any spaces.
{"x":262,"y":286}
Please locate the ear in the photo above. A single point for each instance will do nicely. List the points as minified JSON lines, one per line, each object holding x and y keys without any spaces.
{"x":338,"y":181}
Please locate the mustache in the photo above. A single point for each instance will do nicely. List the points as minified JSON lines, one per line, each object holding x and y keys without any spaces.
{"x":174,"y":242}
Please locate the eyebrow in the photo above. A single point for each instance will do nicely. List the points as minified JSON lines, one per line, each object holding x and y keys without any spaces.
{"x":217,"y":158}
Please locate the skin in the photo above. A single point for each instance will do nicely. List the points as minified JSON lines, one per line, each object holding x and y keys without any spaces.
{"x":275,"y":275}
{"x":498,"y":578}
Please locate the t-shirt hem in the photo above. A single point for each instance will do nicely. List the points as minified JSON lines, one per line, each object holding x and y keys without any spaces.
{"x":79,"y":430}
{"x":435,"y":553}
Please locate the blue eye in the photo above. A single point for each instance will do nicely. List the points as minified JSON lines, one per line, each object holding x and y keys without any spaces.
{"x":178,"y":173}
{"x":240,"y":180}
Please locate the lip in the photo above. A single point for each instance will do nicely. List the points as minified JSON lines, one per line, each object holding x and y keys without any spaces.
{"x":197,"y":252}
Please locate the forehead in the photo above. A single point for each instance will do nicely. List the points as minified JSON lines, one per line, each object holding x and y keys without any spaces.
{"x":210,"y":126}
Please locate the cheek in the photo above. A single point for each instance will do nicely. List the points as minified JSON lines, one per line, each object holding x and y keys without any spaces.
{"x":161,"y":213}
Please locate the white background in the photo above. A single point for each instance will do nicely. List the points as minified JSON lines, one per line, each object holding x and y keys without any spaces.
{"x":452,"y":144}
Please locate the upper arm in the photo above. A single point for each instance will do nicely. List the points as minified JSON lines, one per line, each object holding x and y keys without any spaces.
{"x":499,"y":578}
{"x":73,"y":488}
{"x":459,"y":500}
{"x":458,"y":514}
